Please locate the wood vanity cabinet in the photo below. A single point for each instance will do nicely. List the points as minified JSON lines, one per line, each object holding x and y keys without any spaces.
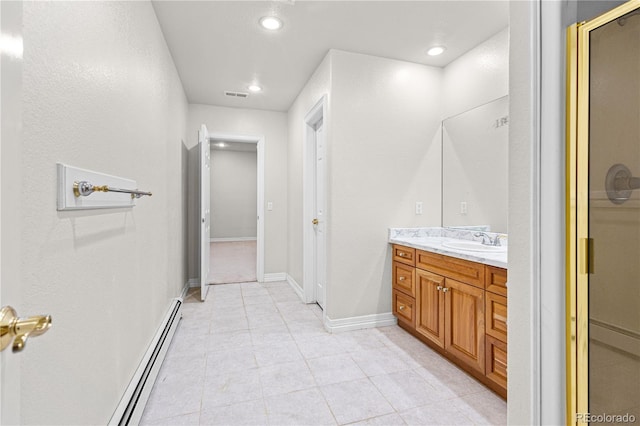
{"x":457,"y":307}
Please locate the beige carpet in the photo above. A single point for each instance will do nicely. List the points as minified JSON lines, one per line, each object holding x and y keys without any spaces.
{"x":232,"y":262}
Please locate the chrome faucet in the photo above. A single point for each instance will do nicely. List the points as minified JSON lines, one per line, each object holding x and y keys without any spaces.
{"x":487,"y":240}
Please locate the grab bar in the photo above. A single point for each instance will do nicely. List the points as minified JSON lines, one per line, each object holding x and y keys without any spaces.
{"x":84,"y":189}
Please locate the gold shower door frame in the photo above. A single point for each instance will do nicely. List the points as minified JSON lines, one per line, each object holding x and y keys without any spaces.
{"x":577,"y":210}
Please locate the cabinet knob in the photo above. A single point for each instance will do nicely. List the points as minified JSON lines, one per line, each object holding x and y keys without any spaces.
{"x":401,"y":279}
{"x":402,"y":254}
{"x":445,"y":289}
{"x":401,"y":307}
{"x":439,"y":288}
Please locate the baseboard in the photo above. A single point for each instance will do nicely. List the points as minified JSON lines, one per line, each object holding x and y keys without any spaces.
{"x":129,"y":410}
{"x":193,"y":282}
{"x":232,"y":239}
{"x":627,"y":341}
{"x":185,"y":289}
{"x":296,"y":287}
{"x":278,"y":276}
{"x":359,"y":323}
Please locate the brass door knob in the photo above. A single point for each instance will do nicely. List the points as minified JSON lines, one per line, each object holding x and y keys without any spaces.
{"x":18,"y":330}
{"x":315,"y":221}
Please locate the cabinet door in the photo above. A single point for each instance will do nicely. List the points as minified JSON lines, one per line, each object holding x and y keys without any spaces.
{"x":497,"y":361}
{"x":430,"y":306}
{"x":496,"y":316}
{"x":464,"y":319}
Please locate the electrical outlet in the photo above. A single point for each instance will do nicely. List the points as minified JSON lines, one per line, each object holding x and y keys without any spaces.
{"x":269,"y":206}
{"x":463,"y":207}
{"x":418,"y":207}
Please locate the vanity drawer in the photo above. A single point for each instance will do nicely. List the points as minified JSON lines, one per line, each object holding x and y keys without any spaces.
{"x":404,"y":278}
{"x":406,"y":255}
{"x":496,"y":280}
{"x":496,"y":361}
{"x":403,"y":308}
{"x":451,"y":267}
{"x":496,"y":316}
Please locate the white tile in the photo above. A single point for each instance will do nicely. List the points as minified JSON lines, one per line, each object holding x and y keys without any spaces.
{"x":356,"y":400}
{"x":374,"y":362}
{"x":335,"y":369}
{"x":435,"y":414}
{"x":230,"y":361}
{"x":186,"y":368}
{"x":243,"y":413}
{"x":281,"y":294}
{"x":270,"y":334}
{"x":298,"y":315}
{"x":223,"y":325}
{"x":306,"y":407}
{"x":449,"y":380}
{"x":267,"y":308}
{"x":217,"y":342}
{"x":320,"y":346}
{"x":231,"y":388}
{"x":386,"y":420}
{"x":359,"y":340}
{"x":484,"y":408}
{"x":306,"y":330}
{"x":286,"y":377}
{"x":173,"y":399}
{"x":406,"y":389}
{"x":265,"y":320}
{"x":185,"y":344}
{"x":192,"y":419}
{"x":277,"y":353}
{"x":257,"y":299}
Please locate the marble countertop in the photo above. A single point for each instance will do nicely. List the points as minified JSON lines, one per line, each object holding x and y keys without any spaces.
{"x":430,"y":241}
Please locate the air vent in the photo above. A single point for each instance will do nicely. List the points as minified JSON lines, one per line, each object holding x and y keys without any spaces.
{"x":236,"y":94}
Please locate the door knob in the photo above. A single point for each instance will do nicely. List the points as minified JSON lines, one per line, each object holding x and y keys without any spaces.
{"x":19,"y":329}
{"x":315,"y":221}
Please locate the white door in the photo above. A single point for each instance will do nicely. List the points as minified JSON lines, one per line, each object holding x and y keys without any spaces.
{"x":320,"y":217}
{"x":205,"y":212}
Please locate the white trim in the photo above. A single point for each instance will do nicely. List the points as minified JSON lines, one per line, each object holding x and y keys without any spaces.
{"x":315,"y":114}
{"x":134,"y":399}
{"x":232,"y":239}
{"x":274,"y":277}
{"x":359,"y":323}
{"x":259,"y":141}
{"x":296,"y":287}
{"x":193,"y":282}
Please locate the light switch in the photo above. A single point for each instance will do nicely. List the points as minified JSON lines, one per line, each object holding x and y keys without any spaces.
{"x":418,"y":207}
{"x":463,"y":207}
{"x":269,"y":206}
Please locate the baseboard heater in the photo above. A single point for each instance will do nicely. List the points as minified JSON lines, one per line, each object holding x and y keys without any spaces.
{"x":132,"y":404}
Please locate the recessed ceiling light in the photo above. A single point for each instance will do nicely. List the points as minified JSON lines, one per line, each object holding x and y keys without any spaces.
{"x":221,"y":145}
{"x":255,"y":88}
{"x":271,"y":23}
{"x":435,"y":51}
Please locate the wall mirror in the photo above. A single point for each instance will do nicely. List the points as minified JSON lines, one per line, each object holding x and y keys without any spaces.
{"x":474,"y":167}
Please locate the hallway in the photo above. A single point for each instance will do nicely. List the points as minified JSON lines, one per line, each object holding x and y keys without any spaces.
{"x":254,"y":354}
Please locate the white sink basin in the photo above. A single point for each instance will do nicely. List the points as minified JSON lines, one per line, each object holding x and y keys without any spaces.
{"x":474,"y":246}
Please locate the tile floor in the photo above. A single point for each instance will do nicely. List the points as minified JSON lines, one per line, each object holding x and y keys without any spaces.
{"x":232,"y":262}
{"x":614,"y":381}
{"x":253,"y":354}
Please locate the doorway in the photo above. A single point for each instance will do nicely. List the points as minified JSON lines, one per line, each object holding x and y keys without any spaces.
{"x":236,"y":236}
{"x":234,"y":194}
{"x":314,"y":201}
{"x":603,"y":205}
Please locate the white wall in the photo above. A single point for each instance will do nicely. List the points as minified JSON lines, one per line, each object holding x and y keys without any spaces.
{"x":100,"y":91}
{"x":234,"y":192}
{"x":383,"y":155}
{"x":477,"y":77}
{"x":317,"y":86}
{"x":273,"y":126}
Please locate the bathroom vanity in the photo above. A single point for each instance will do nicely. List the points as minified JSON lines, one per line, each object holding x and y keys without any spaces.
{"x":454,"y":300}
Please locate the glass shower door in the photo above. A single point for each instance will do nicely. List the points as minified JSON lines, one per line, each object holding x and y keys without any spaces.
{"x":604,"y":334}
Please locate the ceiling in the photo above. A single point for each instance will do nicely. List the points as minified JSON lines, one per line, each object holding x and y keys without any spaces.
{"x":218,"y":46}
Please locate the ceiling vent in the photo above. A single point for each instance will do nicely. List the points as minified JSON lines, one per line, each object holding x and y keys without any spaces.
{"x":236,"y":94}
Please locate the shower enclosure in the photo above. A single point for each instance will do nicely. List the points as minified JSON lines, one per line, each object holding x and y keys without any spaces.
{"x":603,"y":217}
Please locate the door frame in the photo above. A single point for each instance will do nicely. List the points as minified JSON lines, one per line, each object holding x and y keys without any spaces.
{"x":315,"y":115}
{"x":259,"y":141}
{"x":577,"y":210}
